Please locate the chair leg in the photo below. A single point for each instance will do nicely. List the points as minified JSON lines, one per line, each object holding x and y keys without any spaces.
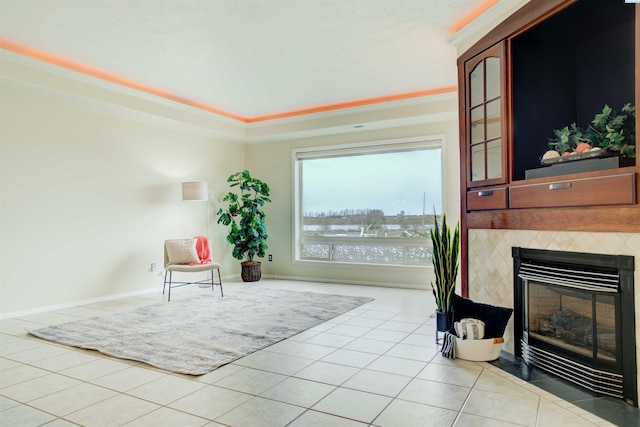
{"x":164,"y":285}
{"x":169,"y":273}
{"x":219,"y":280}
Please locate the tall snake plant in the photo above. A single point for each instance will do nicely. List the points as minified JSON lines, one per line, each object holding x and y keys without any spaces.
{"x":445,"y":262}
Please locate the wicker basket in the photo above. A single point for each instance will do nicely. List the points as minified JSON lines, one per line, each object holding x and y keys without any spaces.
{"x":251,"y":271}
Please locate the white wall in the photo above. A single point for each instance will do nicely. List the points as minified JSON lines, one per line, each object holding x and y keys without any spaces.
{"x":90,"y":180}
{"x":272,"y":162}
{"x":87,"y":198}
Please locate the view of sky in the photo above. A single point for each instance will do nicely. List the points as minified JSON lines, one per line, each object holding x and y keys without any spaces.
{"x":393,"y":182}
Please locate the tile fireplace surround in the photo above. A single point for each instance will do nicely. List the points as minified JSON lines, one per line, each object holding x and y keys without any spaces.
{"x":491,"y":262}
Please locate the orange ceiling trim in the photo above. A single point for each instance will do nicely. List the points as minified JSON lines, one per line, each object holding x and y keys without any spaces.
{"x":360,"y":103}
{"x":50,"y":59}
{"x":457,"y":26}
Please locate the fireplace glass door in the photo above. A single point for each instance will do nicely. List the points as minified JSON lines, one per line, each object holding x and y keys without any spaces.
{"x":579,"y":322}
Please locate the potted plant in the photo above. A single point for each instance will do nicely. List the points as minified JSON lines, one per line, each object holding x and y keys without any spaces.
{"x":445,"y":258}
{"x":245,"y":217}
{"x":615,"y":130}
{"x":611,"y":130}
{"x":567,"y":139}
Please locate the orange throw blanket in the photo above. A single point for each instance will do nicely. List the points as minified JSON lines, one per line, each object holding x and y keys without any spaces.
{"x":202,"y":247}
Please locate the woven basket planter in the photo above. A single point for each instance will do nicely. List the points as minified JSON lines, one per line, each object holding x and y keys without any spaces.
{"x":251,"y":271}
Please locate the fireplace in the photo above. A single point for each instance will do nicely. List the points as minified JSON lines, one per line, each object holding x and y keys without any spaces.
{"x":574,"y":316}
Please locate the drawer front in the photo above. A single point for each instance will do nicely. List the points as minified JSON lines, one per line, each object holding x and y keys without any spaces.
{"x":601,"y":191}
{"x":495,"y":198}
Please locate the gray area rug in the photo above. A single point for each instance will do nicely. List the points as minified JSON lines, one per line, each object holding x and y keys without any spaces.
{"x":199,"y":334}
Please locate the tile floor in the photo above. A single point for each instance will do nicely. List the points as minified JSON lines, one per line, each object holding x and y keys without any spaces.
{"x":376,"y":365}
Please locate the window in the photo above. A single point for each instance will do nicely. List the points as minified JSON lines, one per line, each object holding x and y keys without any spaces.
{"x":370,"y":203}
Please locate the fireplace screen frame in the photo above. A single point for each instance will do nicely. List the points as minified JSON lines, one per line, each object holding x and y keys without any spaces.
{"x":614,"y":276}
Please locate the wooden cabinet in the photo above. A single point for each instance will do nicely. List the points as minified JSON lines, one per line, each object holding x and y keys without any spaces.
{"x":548,"y":65}
{"x":484,"y":111}
{"x":534,"y":73}
{"x":594,"y":191}
{"x":492,"y":198}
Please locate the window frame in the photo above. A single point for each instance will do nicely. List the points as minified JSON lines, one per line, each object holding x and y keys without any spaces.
{"x":359,"y":148}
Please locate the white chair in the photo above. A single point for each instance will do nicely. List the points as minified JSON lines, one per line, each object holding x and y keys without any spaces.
{"x":178,"y":256}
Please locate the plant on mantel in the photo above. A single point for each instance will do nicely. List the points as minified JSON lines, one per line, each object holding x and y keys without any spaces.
{"x":610,"y":130}
{"x":615,"y":130}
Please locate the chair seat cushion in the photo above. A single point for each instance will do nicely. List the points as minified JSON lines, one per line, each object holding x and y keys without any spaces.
{"x":192,"y":268}
{"x":182,"y":251}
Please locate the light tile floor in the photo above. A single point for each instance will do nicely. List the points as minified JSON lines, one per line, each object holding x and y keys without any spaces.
{"x":376,"y":365}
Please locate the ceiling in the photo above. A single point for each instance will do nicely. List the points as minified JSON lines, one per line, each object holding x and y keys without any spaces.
{"x":250,"y":60}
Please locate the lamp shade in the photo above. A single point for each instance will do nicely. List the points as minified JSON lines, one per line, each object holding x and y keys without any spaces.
{"x":195,"y":190}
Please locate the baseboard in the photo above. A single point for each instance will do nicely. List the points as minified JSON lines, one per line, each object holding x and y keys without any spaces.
{"x":347,"y":282}
{"x":76,"y":303}
{"x":225,"y":278}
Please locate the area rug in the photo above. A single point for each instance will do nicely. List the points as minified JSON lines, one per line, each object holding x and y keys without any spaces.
{"x":199,"y":334}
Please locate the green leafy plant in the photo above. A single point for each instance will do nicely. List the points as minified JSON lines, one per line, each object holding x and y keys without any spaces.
{"x":245,"y":216}
{"x":567,"y":138}
{"x":446,"y":249}
{"x":615,"y":130}
{"x":610,"y":130}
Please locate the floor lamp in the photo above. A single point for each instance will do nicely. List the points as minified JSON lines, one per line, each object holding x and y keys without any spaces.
{"x":197,"y":191}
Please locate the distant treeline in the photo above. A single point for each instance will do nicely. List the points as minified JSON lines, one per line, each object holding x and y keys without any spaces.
{"x":370,"y":218}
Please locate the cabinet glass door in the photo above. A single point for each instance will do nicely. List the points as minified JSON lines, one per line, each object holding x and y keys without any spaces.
{"x":485,"y":123}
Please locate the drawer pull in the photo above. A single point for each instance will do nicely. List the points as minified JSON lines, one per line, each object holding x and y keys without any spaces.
{"x":560,"y":186}
{"x":485,"y":193}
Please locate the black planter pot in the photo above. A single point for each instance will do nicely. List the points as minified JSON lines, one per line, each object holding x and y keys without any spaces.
{"x":444,"y":321}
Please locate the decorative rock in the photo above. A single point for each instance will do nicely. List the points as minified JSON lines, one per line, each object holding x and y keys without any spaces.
{"x":551,"y":154}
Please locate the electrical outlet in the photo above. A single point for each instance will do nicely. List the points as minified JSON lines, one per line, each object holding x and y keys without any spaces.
{"x":270,"y":257}
{"x":153,"y":267}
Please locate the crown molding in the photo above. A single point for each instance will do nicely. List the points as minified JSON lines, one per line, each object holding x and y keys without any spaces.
{"x":425,"y":110}
{"x":468,"y":35}
{"x":111,"y":98}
